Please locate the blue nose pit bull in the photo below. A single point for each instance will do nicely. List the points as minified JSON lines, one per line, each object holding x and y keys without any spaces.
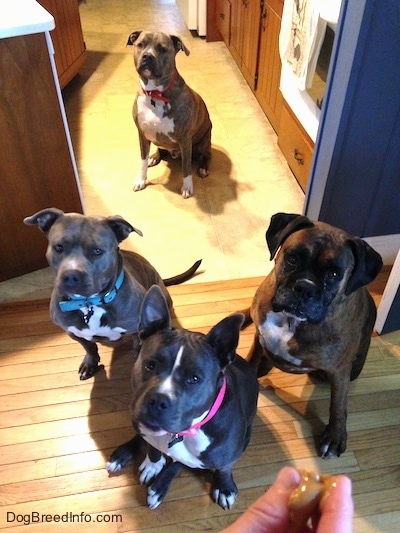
{"x":166,"y":111}
{"x":193,"y":401}
{"x":98,"y":289}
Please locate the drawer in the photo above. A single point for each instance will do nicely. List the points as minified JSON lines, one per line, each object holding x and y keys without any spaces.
{"x":296,"y":145}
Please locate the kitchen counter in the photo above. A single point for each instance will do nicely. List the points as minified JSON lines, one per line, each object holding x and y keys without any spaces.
{"x":23,"y":17}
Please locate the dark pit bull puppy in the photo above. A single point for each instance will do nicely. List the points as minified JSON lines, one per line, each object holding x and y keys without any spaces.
{"x":313,"y":313}
{"x":166,"y":111}
{"x":193,"y":401}
{"x":98,"y":289}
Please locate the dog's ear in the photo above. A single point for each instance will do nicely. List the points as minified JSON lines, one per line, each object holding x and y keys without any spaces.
{"x":178,"y":44}
{"x":367,"y":264}
{"x":44,"y":219}
{"x":154,"y":313}
{"x":132,"y":37}
{"x":281,"y":226}
{"x":121,"y":227}
{"x":224,"y":338}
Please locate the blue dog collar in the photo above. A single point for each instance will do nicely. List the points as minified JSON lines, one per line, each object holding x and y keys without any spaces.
{"x":78,"y":302}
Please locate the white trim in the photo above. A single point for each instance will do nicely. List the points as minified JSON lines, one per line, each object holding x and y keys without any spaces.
{"x":64,"y":116}
{"x":387,"y":246}
{"x":346,"y":39}
{"x":389,"y":294}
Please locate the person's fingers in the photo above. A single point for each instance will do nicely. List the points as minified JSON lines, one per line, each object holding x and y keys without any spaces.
{"x":270,"y":513}
{"x":337,"y":508}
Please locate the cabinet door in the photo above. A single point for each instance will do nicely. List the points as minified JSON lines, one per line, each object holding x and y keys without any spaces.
{"x":69,"y":46}
{"x":296,"y":146}
{"x":223,"y":19}
{"x":269,"y":66}
{"x":245,"y":27}
{"x":236,"y":38}
{"x":36,"y":168}
{"x":250,"y":37}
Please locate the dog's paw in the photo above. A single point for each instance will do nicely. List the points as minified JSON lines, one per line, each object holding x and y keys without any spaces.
{"x":87,"y":371}
{"x":121,"y":456}
{"x":154,"y":498}
{"x":330,"y":445}
{"x":139,"y":185}
{"x":225,"y":499}
{"x":149,"y":470}
{"x":202,"y":172}
{"x":154,"y":159}
{"x":113,"y":467}
{"x":187,"y":187}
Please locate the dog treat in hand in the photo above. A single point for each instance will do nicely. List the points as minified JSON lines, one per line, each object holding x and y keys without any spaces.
{"x":305,"y":498}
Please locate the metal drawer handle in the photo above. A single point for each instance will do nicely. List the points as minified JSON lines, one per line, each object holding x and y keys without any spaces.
{"x":298,"y":156}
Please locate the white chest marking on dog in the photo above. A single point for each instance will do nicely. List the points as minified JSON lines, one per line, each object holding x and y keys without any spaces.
{"x":94,"y":328}
{"x":186,"y":451}
{"x":152,"y":120}
{"x":276,"y":332}
{"x":167,"y":386}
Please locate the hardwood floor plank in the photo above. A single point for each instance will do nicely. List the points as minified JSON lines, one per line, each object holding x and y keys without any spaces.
{"x":56,"y":432}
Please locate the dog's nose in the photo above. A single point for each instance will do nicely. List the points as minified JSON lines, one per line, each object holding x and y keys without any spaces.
{"x":305,"y":288}
{"x":72,"y":279}
{"x":158,"y":403}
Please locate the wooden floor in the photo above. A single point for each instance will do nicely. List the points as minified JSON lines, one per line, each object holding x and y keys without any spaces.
{"x":57,"y":432}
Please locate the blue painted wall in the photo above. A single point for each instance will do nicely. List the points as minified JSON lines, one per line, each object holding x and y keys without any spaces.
{"x":362,"y":193}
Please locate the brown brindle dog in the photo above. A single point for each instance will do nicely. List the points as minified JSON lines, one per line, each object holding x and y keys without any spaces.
{"x":313,"y":313}
{"x":166,"y":111}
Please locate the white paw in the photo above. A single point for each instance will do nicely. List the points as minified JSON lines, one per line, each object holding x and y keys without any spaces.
{"x":187,"y":187}
{"x":139,"y":185}
{"x":225,"y":501}
{"x":153,"y":499}
{"x":150,"y":470}
{"x":113,"y":466}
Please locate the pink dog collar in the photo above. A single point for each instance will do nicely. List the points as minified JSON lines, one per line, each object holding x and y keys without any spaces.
{"x":191,"y":432}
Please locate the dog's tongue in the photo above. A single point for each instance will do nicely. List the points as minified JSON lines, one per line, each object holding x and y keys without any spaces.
{"x":146,"y":72}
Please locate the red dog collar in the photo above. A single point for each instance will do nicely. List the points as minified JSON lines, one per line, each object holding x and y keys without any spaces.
{"x":159,"y":95}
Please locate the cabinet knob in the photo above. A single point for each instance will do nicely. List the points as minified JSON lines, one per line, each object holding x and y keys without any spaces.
{"x":298,"y":156}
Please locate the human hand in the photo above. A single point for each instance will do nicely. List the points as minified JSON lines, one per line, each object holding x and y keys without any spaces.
{"x":271,"y":514}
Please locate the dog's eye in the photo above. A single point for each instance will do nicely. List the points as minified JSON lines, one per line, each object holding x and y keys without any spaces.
{"x":193,"y":380}
{"x":58,"y":248}
{"x":291,"y":260}
{"x":97,"y":251}
{"x":162,"y":49}
{"x":333,"y":275}
{"x":150,"y":365}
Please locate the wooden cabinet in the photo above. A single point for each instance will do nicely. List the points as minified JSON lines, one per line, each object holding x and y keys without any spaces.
{"x":37,"y":168}
{"x":67,"y":38}
{"x":296,"y":145}
{"x":269,"y":62}
{"x":250,"y":29}
{"x":242,"y":39}
{"x":223,"y":20}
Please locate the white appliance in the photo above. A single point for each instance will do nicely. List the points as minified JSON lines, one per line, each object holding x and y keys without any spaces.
{"x":302,"y":104}
{"x":194,"y":14}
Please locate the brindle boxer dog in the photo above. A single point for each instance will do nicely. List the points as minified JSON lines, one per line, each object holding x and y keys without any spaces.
{"x":166,"y":111}
{"x":98,"y":289}
{"x":313,"y":313}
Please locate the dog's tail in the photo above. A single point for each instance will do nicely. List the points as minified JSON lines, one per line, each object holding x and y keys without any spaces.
{"x":247,"y":318}
{"x":180,"y":278}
